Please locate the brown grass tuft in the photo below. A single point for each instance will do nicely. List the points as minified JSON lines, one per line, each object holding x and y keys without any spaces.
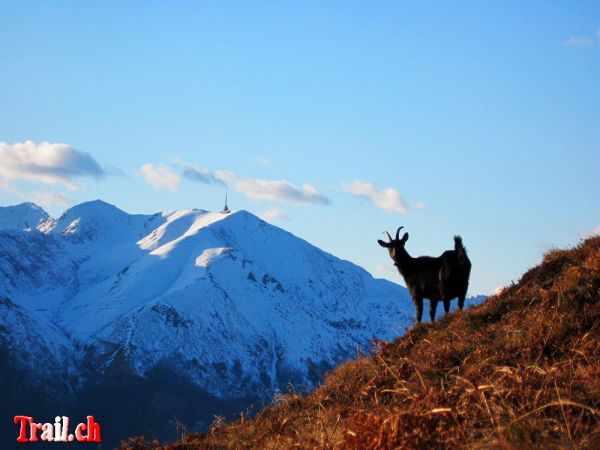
{"x":521,"y":370}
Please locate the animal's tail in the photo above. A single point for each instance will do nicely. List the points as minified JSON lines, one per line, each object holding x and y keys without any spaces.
{"x":460,"y":249}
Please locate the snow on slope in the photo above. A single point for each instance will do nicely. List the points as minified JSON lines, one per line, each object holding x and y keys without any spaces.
{"x":240,"y":299}
{"x":230,"y":302}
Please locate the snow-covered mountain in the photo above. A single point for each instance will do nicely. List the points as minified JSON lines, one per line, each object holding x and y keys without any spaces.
{"x":227,"y":303}
{"x":239,"y":304}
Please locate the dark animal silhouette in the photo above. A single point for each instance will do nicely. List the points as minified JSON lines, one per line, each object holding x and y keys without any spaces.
{"x":444,"y":277}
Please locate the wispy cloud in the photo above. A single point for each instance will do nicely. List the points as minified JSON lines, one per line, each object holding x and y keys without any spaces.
{"x":498,"y":290}
{"x":388,"y":199}
{"x":46,"y":163}
{"x":591,"y":233}
{"x":263,"y":160}
{"x":161,"y":177}
{"x":580,"y":41}
{"x":384,"y":270}
{"x":47,"y":199}
{"x":274,"y":214}
{"x":273,"y":190}
{"x":43,"y":198}
{"x":583,"y":41}
{"x":197,"y":174}
{"x":169,"y":177}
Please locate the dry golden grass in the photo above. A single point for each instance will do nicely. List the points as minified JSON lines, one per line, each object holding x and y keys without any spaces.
{"x":521,"y":370}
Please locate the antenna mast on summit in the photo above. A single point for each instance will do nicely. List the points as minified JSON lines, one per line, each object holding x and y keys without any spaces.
{"x":226,"y":209}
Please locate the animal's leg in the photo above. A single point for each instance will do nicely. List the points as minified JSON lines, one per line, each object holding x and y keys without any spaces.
{"x":461,"y":302}
{"x":446,"y":305}
{"x":419,"y":306}
{"x":432,"y":309}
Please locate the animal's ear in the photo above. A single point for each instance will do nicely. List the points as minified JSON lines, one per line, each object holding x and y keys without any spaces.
{"x":405,"y":238}
{"x":383,"y":244}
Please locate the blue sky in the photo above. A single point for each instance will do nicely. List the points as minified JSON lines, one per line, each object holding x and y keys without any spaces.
{"x":342,"y":119}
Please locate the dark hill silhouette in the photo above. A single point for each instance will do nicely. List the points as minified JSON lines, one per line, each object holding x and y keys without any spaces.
{"x":521,"y":370}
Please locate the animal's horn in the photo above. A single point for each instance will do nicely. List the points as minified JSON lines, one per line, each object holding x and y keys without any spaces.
{"x":388,"y":235}
{"x":398,"y":233}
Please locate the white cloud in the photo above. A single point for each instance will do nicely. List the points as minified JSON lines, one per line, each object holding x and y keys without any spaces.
{"x":274,"y":214}
{"x":47,"y":163}
{"x":161,"y":177}
{"x":388,"y":199}
{"x":272,"y":190}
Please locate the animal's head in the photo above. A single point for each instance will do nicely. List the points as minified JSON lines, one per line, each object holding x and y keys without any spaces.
{"x":395,"y":246}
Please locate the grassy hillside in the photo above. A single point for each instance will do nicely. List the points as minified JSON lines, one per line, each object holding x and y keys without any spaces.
{"x":521,"y":370}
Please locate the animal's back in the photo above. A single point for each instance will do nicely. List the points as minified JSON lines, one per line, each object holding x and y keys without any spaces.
{"x":455,"y":270}
{"x":463,"y":261}
{"x":459,"y":247}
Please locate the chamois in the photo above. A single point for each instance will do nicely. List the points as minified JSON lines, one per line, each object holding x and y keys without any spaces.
{"x":444,"y":277}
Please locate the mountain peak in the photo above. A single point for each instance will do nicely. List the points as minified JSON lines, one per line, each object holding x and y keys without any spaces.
{"x":93,"y":208}
{"x":24,"y":216}
{"x":94,"y":218}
